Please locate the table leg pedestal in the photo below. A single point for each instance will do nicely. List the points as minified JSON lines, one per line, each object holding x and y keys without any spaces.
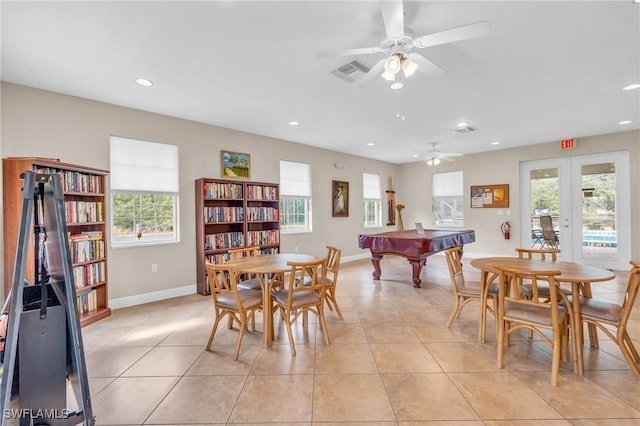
{"x":375,"y":261}
{"x":416,"y":266}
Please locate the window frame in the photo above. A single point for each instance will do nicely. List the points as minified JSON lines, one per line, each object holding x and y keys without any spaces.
{"x":372,"y":206}
{"x":451,"y":193}
{"x":294,"y":192}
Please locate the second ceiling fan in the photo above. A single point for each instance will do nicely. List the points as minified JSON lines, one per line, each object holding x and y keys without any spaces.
{"x":399,"y":41}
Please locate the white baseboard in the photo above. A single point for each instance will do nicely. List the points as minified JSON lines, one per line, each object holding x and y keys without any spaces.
{"x":140,"y":299}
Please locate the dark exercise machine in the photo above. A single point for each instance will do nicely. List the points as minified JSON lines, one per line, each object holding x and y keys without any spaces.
{"x":43,"y":357}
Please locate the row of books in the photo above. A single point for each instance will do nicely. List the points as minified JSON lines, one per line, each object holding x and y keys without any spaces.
{"x":83,"y":211}
{"x":223,"y":214}
{"x":255,"y":214}
{"x":223,"y":240}
{"x":225,"y":257}
{"x":86,"y":246}
{"x":76,"y":181}
{"x":261,"y":238}
{"x":87,"y":302}
{"x":215,"y":190}
{"x":86,"y":275}
{"x":260,"y":192}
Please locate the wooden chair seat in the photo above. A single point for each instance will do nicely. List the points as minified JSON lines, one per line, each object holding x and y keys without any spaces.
{"x":612,"y":318}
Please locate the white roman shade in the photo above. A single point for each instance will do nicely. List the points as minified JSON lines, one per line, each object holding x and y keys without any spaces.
{"x":370,"y":186}
{"x":447,"y":184}
{"x":294,"y":179}
{"x":141,"y":166}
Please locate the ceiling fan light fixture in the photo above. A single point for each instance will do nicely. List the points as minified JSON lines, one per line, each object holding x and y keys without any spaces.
{"x":409,"y":67}
{"x":433,"y":161}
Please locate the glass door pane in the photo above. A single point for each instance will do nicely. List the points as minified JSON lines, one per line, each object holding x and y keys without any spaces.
{"x":599,"y":239}
{"x":545,"y":201}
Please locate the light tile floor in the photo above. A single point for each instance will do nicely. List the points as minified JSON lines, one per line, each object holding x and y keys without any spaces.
{"x":392,"y":361}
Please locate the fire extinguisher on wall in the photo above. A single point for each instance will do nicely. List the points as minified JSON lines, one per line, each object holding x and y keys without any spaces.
{"x":506,"y":230}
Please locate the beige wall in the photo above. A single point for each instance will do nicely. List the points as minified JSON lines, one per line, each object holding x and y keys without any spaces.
{"x":45,"y":124}
{"x":503,"y":166}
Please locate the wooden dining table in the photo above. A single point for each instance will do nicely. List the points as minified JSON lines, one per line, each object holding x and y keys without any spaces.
{"x":577,"y":275}
{"x":268,"y":268}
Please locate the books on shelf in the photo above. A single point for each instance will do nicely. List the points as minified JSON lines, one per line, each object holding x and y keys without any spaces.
{"x":223,"y":240}
{"x":262,"y":192}
{"x":86,"y":246}
{"x":90,"y":274}
{"x":223,"y":214}
{"x":222,"y":190}
{"x":83,"y":211}
{"x":263,"y":214}
{"x":87,"y":302}
{"x":263,"y":238}
{"x":73,"y":181}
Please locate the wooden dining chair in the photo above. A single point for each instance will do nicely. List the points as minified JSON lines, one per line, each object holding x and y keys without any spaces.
{"x":541,"y":254}
{"x":240,"y":305}
{"x":466,"y":292}
{"x":305,"y":293}
{"x":333,"y":266}
{"x":607,"y":316}
{"x":534,"y":314}
{"x":245,"y":281}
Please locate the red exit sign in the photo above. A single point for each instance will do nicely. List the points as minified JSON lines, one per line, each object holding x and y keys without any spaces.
{"x":568,"y":143}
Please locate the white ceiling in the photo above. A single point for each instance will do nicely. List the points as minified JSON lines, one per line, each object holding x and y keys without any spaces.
{"x":547,"y":70}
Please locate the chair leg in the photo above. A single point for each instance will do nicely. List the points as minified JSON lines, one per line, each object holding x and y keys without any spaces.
{"x":331,"y":300}
{"x":287,"y":316}
{"x":213,"y":331}
{"x":243,"y":326}
{"x":323,"y":325}
{"x":455,"y":312}
{"x":500,"y":348}
{"x":629,"y":352}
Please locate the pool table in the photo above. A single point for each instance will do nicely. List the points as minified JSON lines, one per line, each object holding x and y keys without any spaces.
{"x":413,"y":246}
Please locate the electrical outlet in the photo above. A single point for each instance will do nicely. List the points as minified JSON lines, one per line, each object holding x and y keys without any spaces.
{"x":154,"y":267}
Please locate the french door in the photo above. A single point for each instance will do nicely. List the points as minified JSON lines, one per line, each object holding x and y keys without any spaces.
{"x":588,"y":199}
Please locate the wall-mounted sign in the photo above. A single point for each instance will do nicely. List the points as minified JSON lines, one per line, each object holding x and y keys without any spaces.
{"x":568,"y":143}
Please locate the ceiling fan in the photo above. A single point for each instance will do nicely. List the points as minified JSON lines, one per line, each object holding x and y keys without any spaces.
{"x":398,"y":43}
{"x":435,"y":156}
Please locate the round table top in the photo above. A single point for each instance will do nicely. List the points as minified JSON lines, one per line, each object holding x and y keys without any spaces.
{"x":569,"y":271}
{"x":268,"y":263}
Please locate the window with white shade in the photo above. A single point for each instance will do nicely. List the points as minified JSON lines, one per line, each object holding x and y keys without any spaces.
{"x":295,"y":197}
{"x":372,"y":196}
{"x":144,"y":192}
{"x":448,"y":202}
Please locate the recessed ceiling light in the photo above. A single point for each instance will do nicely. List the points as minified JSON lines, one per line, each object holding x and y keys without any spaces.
{"x":495,"y":143}
{"x":293,"y":123}
{"x":415,"y":155}
{"x":462,"y":124}
{"x":625,"y":122}
{"x":632,"y":86}
{"x":144,"y":82}
{"x":396,"y":85}
{"x":370,"y":144}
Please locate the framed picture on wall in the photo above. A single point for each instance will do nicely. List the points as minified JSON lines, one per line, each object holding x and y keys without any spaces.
{"x":340,"y":201}
{"x":235,"y":164}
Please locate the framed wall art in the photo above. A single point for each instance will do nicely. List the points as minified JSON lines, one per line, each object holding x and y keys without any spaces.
{"x":340,"y":200}
{"x":235,"y":164}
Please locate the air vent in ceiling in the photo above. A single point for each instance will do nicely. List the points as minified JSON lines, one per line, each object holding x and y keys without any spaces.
{"x":463,"y":130}
{"x":351,"y":71}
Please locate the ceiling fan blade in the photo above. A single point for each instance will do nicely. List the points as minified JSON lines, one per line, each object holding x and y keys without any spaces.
{"x":425,"y":66}
{"x":393,"y":17}
{"x":465,"y":32}
{"x":373,"y":73}
{"x":448,"y":154}
{"x":350,"y":52}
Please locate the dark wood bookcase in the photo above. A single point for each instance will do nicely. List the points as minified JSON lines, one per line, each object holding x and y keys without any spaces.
{"x":234,"y":214}
{"x":86,"y":213}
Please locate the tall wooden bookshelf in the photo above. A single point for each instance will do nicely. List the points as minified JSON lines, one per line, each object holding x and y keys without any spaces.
{"x":85,"y":208}
{"x":233,"y":214}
